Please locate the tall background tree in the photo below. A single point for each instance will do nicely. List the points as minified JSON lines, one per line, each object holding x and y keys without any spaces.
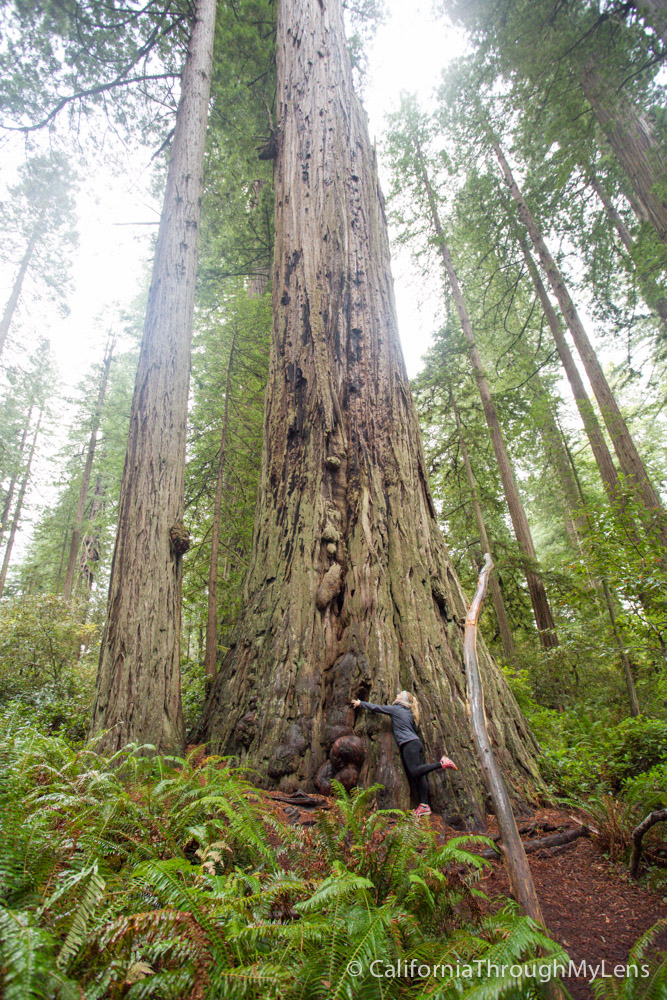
{"x":138,"y":689}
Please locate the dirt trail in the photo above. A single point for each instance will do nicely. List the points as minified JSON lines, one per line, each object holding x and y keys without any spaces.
{"x":591,"y":906}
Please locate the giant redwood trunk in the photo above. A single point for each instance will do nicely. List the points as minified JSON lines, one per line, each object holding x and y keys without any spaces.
{"x":138,"y":693}
{"x":350,"y":591}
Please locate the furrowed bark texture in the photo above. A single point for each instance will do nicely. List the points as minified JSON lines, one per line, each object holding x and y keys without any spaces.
{"x":631,"y":137}
{"x":350,"y":592}
{"x":138,"y":685}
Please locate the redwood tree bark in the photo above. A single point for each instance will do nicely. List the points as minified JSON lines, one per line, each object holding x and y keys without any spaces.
{"x":75,"y":543}
{"x":350,"y":591}
{"x":630,"y":135}
{"x":89,"y":553}
{"x":601,"y":453}
{"x":629,"y":459}
{"x":138,"y":685}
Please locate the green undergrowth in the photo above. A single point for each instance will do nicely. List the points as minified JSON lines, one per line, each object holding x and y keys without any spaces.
{"x":143,"y":876}
{"x":585,"y":753}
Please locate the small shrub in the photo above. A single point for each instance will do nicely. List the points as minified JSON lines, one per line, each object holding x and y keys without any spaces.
{"x":614,"y":821}
{"x":632,"y":747}
{"x":571,"y":750}
{"x":648,"y":790}
{"x":193,"y":688}
{"x":48,"y":661}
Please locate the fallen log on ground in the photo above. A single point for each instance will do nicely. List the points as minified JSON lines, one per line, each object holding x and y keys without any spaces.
{"x":555,"y":840}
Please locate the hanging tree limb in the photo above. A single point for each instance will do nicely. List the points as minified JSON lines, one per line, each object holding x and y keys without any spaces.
{"x":657,"y":816}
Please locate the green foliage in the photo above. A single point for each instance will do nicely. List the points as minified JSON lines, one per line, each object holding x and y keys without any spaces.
{"x":571,"y":744}
{"x":47,"y":661}
{"x":193,"y":686}
{"x":648,"y":791}
{"x":637,"y":984}
{"x":581,"y":754}
{"x":634,"y":746}
{"x":166,"y":877}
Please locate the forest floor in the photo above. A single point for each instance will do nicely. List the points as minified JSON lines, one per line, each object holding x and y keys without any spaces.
{"x":591,"y":906}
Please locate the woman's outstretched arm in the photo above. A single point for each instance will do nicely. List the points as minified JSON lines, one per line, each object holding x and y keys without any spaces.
{"x":372,"y":707}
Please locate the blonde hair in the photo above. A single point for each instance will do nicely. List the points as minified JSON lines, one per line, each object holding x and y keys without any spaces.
{"x":409,"y":700}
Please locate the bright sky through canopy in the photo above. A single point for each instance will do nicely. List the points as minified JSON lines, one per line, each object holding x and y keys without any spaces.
{"x":118,"y":214}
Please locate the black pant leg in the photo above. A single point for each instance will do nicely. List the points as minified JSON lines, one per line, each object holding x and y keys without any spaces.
{"x":413,"y":758}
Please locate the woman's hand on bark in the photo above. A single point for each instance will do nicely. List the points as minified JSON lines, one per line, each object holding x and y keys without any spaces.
{"x":355,"y":703}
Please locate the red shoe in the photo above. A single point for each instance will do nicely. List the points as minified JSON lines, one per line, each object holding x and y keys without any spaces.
{"x":447,"y":763}
{"x":422,"y":810}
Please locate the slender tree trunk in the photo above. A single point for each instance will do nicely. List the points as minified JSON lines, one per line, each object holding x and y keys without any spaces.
{"x":350,"y":591}
{"x":138,"y":685}
{"x":6,"y":510}
{"x":19,"y":507}
{"x":601,"y":453}
{"x":211,"y":652}
{"x":610,"y":604}
{"x":68,"y":585}
{"x":628,"y":456}
{"x":620,"y":645}
{"x":653,"y":294}
{"x":89,"y":554}
{"x":13,"y":300}
{"x":538,"y":597}
{"x":631,"y":137}
{"x":258,"y":281}
{"x":557,"y":460}
{"x":506,"y":637}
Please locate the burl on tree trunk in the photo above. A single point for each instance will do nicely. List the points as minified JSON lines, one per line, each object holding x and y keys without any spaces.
{"x":350,"y":592}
